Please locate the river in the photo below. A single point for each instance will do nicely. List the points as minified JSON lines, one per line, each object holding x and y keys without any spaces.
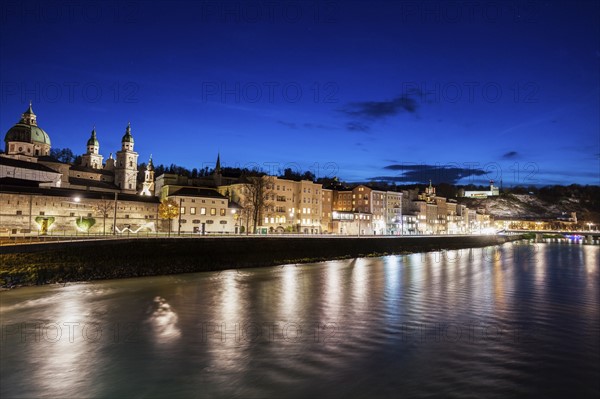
{"x":513,"y":320}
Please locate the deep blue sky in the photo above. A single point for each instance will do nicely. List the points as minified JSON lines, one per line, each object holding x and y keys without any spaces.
{"x":402,"y":90}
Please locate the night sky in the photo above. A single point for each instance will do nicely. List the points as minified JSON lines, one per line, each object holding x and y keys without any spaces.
{"x":460,"y":92}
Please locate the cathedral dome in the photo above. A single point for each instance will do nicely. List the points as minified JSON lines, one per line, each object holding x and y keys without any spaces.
{"x":27,"y":130}
{"x":24,"y":133}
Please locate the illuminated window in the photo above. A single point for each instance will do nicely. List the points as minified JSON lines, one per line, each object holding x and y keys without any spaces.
{"x":213,"y":211}
{"x":203,"y":210}
{"x":182,"y":210}
{"x":223,"y":211}
{"x":192,"y":210}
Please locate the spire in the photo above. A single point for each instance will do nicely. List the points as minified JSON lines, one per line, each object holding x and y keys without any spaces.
{"x":150,"y":164}
{"x":127,"y":137}
{"x":93,"y":140}
{"x":218,"y":165}
{"x":28,"y":117}
{"x":29,"y":110}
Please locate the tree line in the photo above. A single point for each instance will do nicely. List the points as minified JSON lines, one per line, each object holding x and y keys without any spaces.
{"x":587,"y":194}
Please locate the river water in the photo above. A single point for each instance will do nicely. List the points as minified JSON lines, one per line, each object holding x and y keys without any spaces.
{"x":513,"y":320}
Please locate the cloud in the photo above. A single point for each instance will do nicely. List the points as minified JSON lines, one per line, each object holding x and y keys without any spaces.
{"x":316,"y":126}
{"x":291,"y":125}
{"x":377,"y":110}
{"x":294,"y":125}
{"x":510,"y":155}
{"x":357,"y":127}
{"x":381,"y":109}
{"x":423,"y":173}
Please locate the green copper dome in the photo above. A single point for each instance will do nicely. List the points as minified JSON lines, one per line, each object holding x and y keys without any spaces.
{"x":27,"y":131}
{"x":93,"y":140}
{"x":24,"y":133}
{"x":127,"y":138}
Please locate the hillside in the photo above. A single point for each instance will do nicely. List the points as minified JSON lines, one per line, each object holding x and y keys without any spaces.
{"x":533,"y":206}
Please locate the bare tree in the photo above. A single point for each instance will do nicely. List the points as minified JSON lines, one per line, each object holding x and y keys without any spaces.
{"x":257,"y":193}
{"x":103,"y":208}
{"x":245,"y":214}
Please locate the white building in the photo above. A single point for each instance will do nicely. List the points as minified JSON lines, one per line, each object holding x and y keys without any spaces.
{"x":204,"y":211}
{"x":492,"y":192}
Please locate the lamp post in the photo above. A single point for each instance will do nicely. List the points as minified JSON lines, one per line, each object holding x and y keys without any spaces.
{"x":170,"y":220}
{"x":235,"y":219}
{"x":115,"y":215}
{"x":77,"y":199}
{"x":179,"y":219}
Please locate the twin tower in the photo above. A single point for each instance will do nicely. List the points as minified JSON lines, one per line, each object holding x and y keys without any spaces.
{"x":125,"y":167}
{"x":28,"y":142}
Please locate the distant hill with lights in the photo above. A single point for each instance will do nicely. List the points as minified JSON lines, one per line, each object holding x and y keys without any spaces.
{"x":547,"y":202}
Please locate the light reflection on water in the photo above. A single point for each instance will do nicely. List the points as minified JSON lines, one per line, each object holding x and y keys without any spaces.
{"x":493,"y":322}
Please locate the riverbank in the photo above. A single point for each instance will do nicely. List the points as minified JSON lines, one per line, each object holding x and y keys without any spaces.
{"x":59,"y":262}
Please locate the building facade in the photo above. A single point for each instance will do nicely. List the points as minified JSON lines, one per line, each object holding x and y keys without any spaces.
{"x":208,"y":204}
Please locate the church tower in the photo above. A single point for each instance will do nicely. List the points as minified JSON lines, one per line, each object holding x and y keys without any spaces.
{"x":429,"y":194}
{"x":92,"y":159}
{"x":217,"y":176}
{"x":148,"y":186}
{"x":126,"y":164}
